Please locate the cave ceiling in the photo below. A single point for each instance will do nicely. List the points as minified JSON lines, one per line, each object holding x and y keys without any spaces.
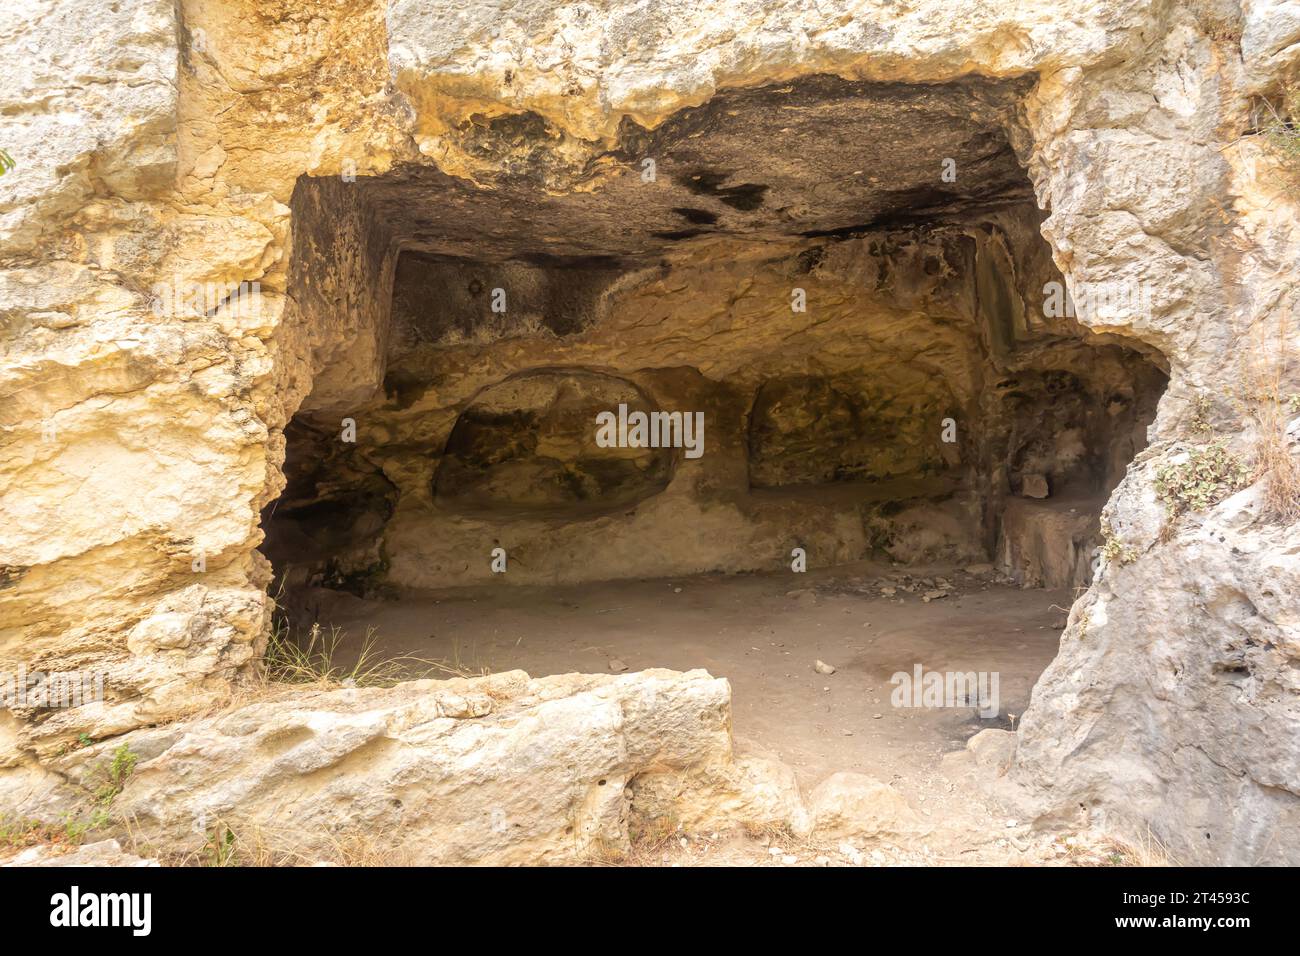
{"x":818,"y":157}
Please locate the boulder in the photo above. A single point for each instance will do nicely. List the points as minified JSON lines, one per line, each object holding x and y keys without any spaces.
{"x":993,"y":749}
{"x":855,"y":805}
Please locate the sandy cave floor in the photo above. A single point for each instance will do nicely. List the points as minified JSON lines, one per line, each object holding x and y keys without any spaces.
{"x":764,"y":632}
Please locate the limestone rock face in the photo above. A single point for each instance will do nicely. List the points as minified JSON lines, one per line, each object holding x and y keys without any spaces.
{"x":1218,"y":729}
{"x":85,"y":119}
{"x":584,"y":68}
{"x":1184,"y":636}
{"x":500,"y":769}
{"x":169,"y":156}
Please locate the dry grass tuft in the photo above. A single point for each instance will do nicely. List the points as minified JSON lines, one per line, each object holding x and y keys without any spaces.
{"x":648,"y":838}
{"x":1270,"y":403}
{"x":1144,"y":851}
{"x":367,"y":850}
{"x":315,"y":660}
{"x":251,"y":845}
{"x":1102,"y":850}
{"x":770,"y":834}
{"x":1280,"y":124}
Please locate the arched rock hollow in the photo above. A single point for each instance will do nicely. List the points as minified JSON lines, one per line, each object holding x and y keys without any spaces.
{"x":319,"y":299}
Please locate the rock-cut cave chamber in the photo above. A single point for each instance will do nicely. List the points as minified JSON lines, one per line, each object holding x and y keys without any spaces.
{"x":844,"y":281}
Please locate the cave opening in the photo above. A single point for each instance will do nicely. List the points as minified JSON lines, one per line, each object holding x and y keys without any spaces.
{"x":902,"y":449}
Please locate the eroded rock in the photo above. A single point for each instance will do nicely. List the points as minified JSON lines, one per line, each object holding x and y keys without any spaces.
{"x":218,"y":143}
{"x":100,"y":853}
{"x":500,"y":769}
{"x":856,"y":805}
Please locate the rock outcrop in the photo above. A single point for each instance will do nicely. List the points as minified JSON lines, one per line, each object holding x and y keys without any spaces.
{"x":501,"y":769}
{"x":170,"y":299}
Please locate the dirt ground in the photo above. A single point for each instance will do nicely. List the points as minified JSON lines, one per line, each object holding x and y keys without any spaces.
{"x":764,"y":633}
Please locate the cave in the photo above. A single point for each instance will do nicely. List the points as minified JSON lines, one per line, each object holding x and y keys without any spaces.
{"x":850,"y":430}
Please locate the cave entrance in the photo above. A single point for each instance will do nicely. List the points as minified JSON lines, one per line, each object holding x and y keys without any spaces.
{"x":869,"y":445}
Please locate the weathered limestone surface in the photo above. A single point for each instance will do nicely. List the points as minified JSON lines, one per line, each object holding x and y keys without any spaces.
{"x":160,"y":144}
{"x":1173,"y":701}
{"x":101,"y":853}
{"x":501,"y":769}
{"x":90,"y":110}
{"x":855,"y":805}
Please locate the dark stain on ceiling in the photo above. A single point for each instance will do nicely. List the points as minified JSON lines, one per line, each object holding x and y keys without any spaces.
{"x":820,"y":157}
